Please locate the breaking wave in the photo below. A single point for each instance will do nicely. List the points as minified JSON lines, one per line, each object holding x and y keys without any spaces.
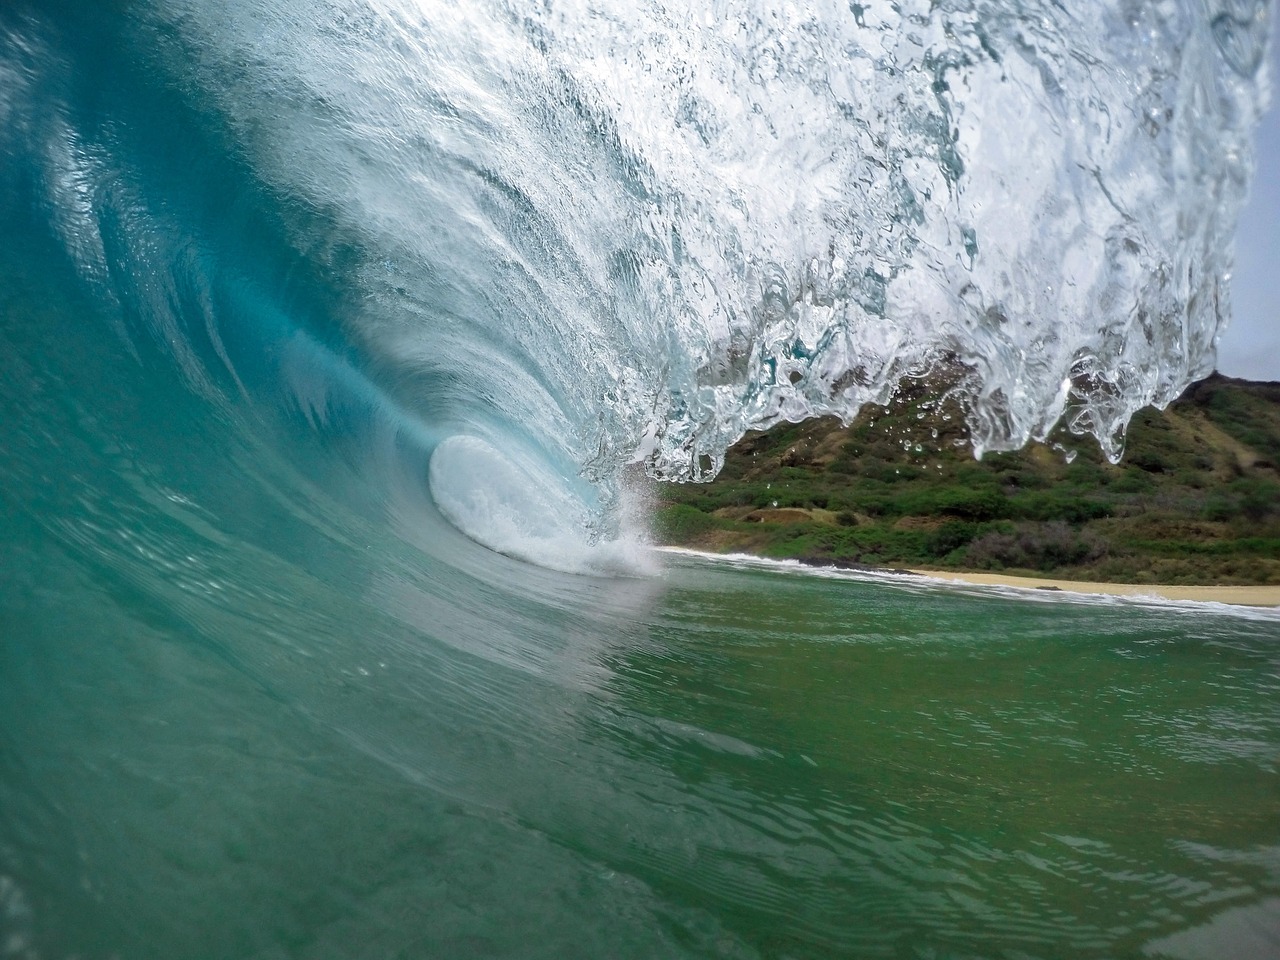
{"x":626,"y":232}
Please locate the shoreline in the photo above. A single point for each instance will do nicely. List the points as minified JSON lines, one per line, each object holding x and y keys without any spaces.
{"x":1266,"y":595}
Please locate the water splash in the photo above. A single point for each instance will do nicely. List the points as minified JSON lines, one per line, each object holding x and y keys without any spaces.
{"x":511,"y":505}
{"x":838,"y":198}
{"x":632,"y":232}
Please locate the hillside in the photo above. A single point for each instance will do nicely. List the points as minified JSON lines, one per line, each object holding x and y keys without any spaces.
{"x":1196,"y":498}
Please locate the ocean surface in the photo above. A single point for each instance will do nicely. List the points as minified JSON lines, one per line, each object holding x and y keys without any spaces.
{"x":330,"y":337}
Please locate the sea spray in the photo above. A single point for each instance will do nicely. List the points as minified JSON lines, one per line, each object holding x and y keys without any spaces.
{"x":627,"y":233}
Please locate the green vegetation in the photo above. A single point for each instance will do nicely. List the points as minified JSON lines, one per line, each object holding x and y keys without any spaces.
{"x":1196,"y":498}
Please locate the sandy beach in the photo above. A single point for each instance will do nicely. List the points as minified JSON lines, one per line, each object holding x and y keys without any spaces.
{"x":1263,"y":596}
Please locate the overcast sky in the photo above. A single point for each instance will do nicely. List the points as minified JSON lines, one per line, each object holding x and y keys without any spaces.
{"x":1251,"y":346}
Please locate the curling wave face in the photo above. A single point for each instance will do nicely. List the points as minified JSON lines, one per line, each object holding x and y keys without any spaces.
{"x":648,"y":231}
{"x":628,"y":232}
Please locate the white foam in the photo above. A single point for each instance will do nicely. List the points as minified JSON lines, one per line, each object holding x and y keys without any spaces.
{"x":922,"y":581}
{"x":516,"y":506}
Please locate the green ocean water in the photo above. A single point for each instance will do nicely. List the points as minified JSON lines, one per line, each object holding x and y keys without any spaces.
{"x":282,"y":757}
{"x":290,"y":295}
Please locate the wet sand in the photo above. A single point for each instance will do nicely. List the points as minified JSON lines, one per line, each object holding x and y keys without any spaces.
{"x":1265,"y":596}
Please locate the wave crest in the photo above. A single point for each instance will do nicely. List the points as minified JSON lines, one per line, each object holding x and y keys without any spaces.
{"x":627,"y":232}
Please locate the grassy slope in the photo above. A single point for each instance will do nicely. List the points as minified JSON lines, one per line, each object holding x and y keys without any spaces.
{"x":1195,"y":500}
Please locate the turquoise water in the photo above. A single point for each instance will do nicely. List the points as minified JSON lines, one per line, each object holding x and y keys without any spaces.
{"x":224,"y":745}
{"x":318,"y":325}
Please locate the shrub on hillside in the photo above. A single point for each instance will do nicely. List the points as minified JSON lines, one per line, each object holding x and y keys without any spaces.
{"x":964,"y":503}
{"x":1040,"y":547}
{"x":950,"y":536}
{"x":680,"y":523}
{"x":1258,"y":497}
{"x":1058,"y":505}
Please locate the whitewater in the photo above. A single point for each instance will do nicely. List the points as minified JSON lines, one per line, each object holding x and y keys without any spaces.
{"x":334,"y":339}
